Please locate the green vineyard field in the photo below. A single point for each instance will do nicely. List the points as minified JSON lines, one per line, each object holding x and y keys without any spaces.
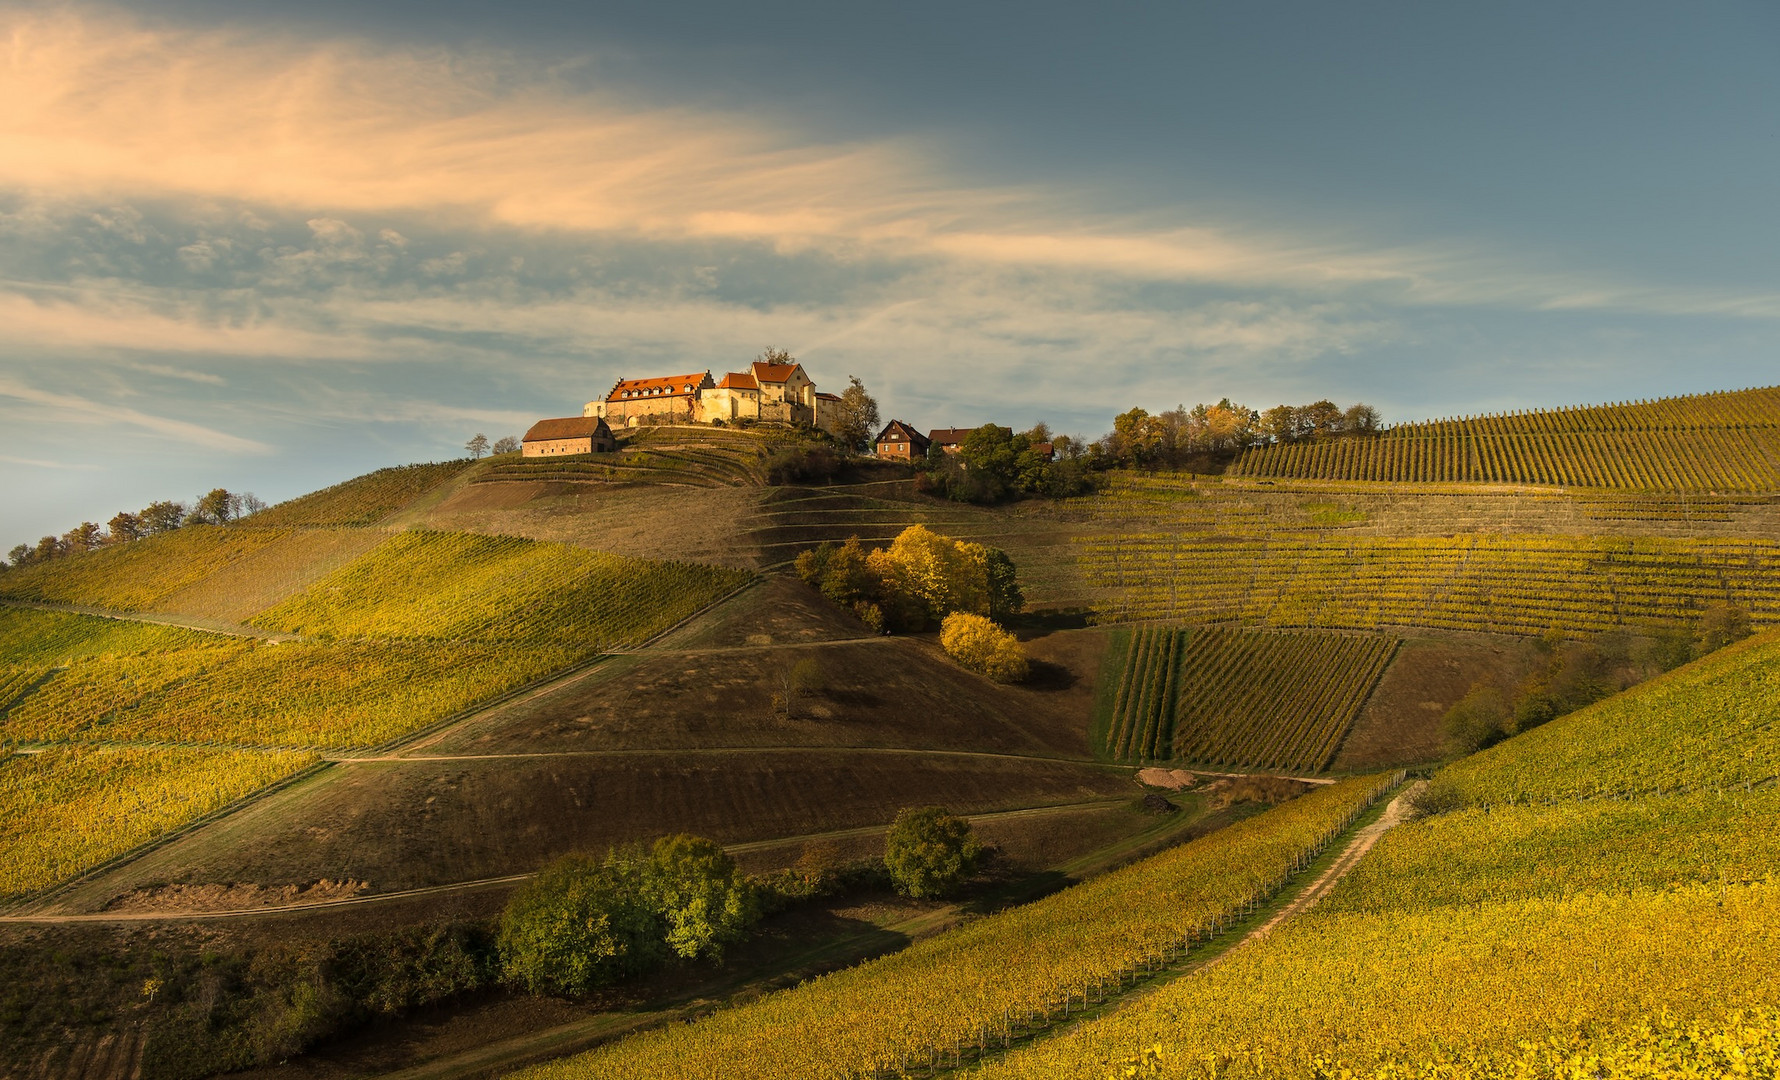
{"x":1242,"y":699}
{"x":1489,"y":582}
{"x":1710,"y":442}
{"x":995,"y":973}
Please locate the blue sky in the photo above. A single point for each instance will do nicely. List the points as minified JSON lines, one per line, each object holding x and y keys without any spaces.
{"x":270,"y":246}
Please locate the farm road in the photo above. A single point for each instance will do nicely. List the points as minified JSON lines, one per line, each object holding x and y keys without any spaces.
{"x":511,"y":879}
{"x":1394,"y":814}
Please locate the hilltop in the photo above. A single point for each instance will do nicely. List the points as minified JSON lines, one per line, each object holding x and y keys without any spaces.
{"x":377,"y":708}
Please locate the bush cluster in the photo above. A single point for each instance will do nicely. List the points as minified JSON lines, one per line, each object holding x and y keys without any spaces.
{"x":920,"y":578}
{"x":981,"y":646}
{"x":929,"y":851}
{"x":1572,"y":674}
{"x":584,"y":922}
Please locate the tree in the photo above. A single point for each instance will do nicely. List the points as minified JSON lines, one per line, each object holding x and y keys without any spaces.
{"x":83,"y":538}
{"x":19,"y":555}
{"x":793,"y":679}
{"x":506,"y":444}
{"x":856,"y":416}
{"x":245,"y":504}
{"x":216,"y":507}
{"x":1280,"y":424}
{"x":703,"y":902}
{"x":50,"y":547}
{"x":980,"y":645}
{"x":929,"y":851}
{"x":477,"y":446}
{"x":1360,"y":419}
{"x":161,"y":517}
{"x":125,"y":527}
{"x":581,"y":924}
{"x":770,"y":355}
{"x":1320,"y":418}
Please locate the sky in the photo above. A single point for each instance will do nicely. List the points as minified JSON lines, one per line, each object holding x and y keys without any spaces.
{"x":269,"y":246}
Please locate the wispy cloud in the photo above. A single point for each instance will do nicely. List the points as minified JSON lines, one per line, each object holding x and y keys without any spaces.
{"x":166,"y":371}
{"x":73,"y":409}
{"x":97,"y":106}
{"x":38,"y":463}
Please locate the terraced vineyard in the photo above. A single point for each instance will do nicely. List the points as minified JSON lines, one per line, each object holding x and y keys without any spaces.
{"x":997,"y":975}
{"x":1241,"y":699}
{"x":1709,"y":442}
{"x":1598,"y":900}
{"x":365,"y":500}
{"x":1491,"y":582}
{"x":698,"y":457}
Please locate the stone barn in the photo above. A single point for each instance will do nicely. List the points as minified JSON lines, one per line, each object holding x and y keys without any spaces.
{"x":569,"y":435}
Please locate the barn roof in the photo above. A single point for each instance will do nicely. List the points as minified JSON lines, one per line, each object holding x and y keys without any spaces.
{"x":949,"y":436}
{"x":568,"y":427}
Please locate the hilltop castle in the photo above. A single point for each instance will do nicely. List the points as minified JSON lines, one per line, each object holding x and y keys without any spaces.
{"x":766,"y":392}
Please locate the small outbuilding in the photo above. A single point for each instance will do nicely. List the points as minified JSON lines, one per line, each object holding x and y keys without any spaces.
{"x":899,"y":442}
{"x":569,"y":435}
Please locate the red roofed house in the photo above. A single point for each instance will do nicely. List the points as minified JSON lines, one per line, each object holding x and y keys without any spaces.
{"x":949,"y":439}
{"x":900,"y":442}
{"x":780,"y":392}
{"x":666,"y":400}
{"x":569,"y":435}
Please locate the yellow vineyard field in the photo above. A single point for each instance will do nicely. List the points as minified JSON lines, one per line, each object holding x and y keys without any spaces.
{"x":66,"y":810}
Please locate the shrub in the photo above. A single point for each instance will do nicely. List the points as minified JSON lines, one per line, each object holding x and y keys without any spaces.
{"x":920,"y":577}
{"x":581,"y":924}
{"x":803,"y":465}
{"x":929,"y":851}
{"x":981,"y":646}
{"x":704,"y":904}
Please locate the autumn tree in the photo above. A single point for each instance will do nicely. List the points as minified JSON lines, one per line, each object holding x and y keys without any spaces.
{"x":477,"y":446}
{"x":161,"y":517}
{"x":929,"y":851}
{"x":856,"y":416}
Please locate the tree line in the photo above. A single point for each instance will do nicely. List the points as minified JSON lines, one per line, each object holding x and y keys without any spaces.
{"x":995,"y":463}
{"x":217,"y":507}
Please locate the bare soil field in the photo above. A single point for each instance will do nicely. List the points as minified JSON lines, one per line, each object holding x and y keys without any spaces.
{"x":408,"y":824}
{"x":1401,"y":722}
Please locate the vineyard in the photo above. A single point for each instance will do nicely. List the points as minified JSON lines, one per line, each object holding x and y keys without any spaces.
{"x":51,"y":638}
{"x":1710,"y":442}
{"x":365,"y":500}
{"x":68,"y":809}
{"x":1707,"y":726}
{"x":994,"y":978}
{"x":1608,"y":897}
{"x":141,"y":575}
{"x":1484,"y":581}
{"x":420,"y":628}
{"x":439,"y":586}
{"x":1241,"y":699}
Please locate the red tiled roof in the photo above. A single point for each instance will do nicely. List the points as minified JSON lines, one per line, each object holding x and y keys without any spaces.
{"x":664,"y":386}
{"x":949,"y":436}
{"x":738,"y":380}
{"x":567,"y":427}
{"x":909,"y":434}
{"x":776,"y":373}
{"x":827,"y":396}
